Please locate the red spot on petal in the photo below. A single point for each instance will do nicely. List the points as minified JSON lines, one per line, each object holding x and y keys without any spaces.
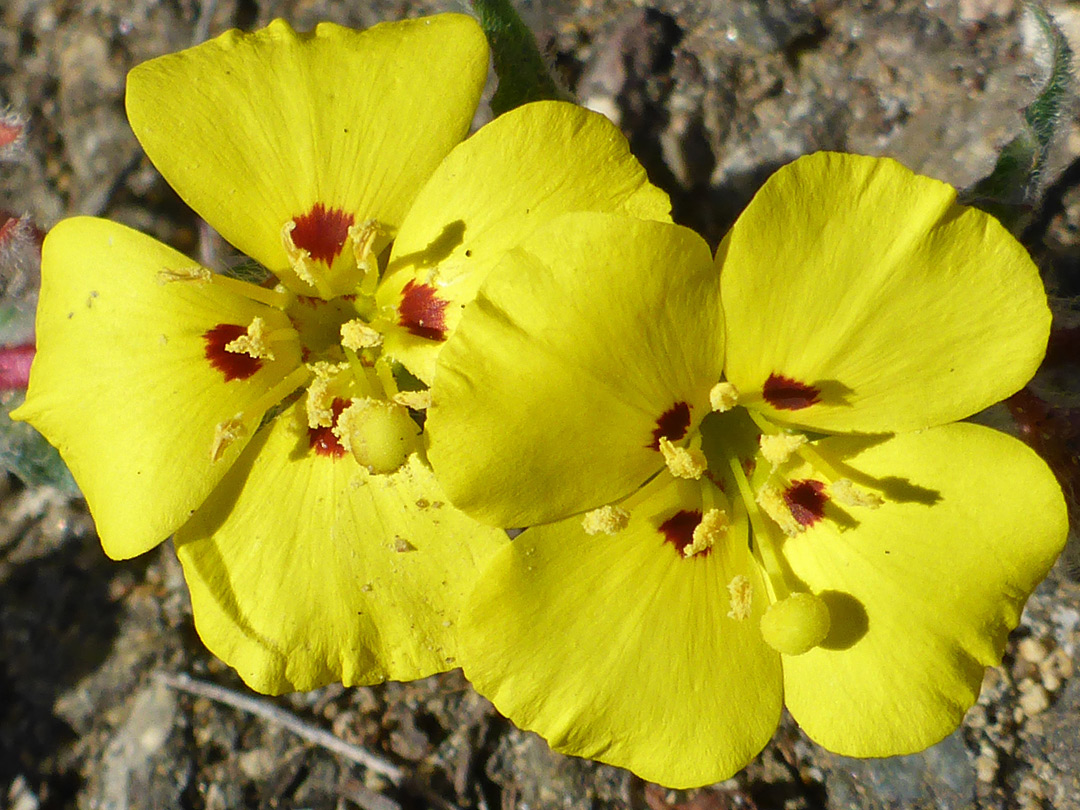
{"x":422,"y":312}
{"x":322,"y":233}
{"x":806,"y":500}
{"x":672,"y":424}
{"x":234,"y":365}
{"x":15,"y":366}
{"x":322,"y":439}
{"x":679,"y":529}
{"x":786,"y":394}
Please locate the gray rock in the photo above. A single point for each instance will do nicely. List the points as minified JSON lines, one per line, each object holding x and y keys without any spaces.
{"x":940,"y":778}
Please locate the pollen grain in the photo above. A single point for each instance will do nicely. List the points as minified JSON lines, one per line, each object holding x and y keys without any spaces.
{"x":608,"y":519}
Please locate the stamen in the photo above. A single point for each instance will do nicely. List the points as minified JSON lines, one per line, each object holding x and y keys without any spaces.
{"x":714,"y":525}
{"x":357,"y":335}
{"x":320,"y":397}
{"x":608,"y":519}
{"x":385,"y":373}
{"x":845,"y":491}
{"x":225,"y":433}
{"x":363,"y":237}
{"x":232,"y":366}
{"x":197,"y":274}
{"x":417,"y":400}
{"x":255,"y":343}
{"x":277,"y":298}
{"x":773,"y":504}
{"x":300,"y":259}
{"x":723,"y":397}
{"x":763,"y":549}
{"x":683,"y":462}
{"x":741,"y":593}
{"x":779,"y":447}
{"x":763,"y":424}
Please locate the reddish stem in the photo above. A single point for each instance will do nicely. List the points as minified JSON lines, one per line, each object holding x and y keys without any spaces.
{"x":15,"y":366}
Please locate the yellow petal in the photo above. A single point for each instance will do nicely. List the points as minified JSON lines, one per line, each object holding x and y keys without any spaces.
{"x":619,"y":648}
{"x":255,"y":130}
{"x":123,"y":384}
{"x":860,"y":297}
{"x":494,"y":190}
{"x":599,"y":337}
{"x":305,"y":569}
{"x":923,"y":590}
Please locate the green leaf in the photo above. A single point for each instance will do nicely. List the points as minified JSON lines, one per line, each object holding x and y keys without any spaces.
{"x":522,"y":70}
{"x":1011,"y":190}
{"x":24,"y":451}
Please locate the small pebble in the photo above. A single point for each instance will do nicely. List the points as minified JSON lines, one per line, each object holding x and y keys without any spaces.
{"x":986,"y":765}
{"x":1033,"y":698}
{"x":1050,"y":681}
{"x":256,"y":764}
{"x":1032,"y":649}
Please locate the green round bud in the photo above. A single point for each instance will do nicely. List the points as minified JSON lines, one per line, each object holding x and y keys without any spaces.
{"x":795,"y":625}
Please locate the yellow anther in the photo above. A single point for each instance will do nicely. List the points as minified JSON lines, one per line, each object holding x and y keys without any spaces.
{"x":357,"y":335}
{"x":379,"y":434}
{"x":365,"y":238}
{"x":417,"y":400}
{"x":777,"y":448}
{"x":225,"y":433}
{"x":797,"y":624}
{"x":683,"y":462}
{"x":362,"y":237}
{"x":772,"y":503}
{"x":710,"y":531}
{"x":254,"y":343}
{"x":197,"y":274}
{"x":723,"y":397}
{"x":299,"y":258}
{"x":320,"y":394}
{"x":605,"y":520}
{"x":844,"y":491}
{"x":741,"y":593}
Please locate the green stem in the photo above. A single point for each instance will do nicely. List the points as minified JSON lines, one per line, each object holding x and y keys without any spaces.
{"x":521,"y":68}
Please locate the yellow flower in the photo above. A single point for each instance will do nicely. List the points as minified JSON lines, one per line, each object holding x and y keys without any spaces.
{"x":276,"y":430}
{"x":813,"y":529}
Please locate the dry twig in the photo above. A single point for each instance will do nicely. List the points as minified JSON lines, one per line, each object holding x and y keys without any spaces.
{"x":275,"y":714}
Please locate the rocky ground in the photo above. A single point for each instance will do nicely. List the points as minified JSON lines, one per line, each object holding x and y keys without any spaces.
{"x":713,"y":94}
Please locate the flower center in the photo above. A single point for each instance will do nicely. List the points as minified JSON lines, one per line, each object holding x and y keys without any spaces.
{"x":751,"y":471}
{"x":330,"y":254}
{"x":327,"y":345}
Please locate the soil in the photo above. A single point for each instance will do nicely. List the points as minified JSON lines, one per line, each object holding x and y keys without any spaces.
{"x":713,"y":95}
